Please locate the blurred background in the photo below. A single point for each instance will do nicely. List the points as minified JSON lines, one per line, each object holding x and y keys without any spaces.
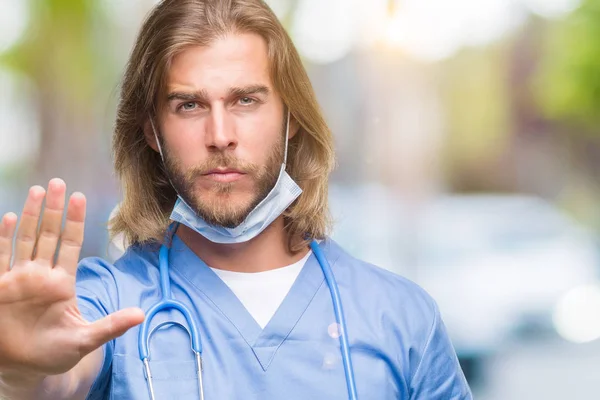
{"x":468,"y":140}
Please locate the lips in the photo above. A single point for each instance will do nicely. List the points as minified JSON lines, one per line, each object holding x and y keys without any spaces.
{"x":224,"y":171}
{"x":224,"y":174}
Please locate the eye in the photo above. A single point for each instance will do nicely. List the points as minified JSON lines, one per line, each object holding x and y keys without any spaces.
{"x":189,"y":106}
{"x":246,"y":101}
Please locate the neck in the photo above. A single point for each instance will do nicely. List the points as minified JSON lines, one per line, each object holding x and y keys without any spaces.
{"x":266,"y":252}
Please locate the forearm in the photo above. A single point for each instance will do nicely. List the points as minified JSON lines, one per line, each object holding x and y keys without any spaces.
{"x":72,"y":385}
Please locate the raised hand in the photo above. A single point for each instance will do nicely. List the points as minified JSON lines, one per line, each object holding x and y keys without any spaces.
{"x":42,"y":331}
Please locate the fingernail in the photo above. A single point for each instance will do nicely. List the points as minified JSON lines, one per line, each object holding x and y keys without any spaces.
{"x":56,"y":183}
{"x":9,"y":216}
{"x":37,"y":191}
{"x":77,"y":195}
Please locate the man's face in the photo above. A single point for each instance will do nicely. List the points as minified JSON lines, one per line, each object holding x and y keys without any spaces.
{"x":222,"y":127}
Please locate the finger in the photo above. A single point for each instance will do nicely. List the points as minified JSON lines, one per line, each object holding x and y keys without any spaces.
{"x":27,"y":230}
{"x":72,"y":236}
{"x":45,"y":248}
{"x":110,"y":327}
{"x":7,"y":232}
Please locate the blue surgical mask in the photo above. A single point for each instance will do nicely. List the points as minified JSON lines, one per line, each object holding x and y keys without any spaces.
{"x":272,"y":206}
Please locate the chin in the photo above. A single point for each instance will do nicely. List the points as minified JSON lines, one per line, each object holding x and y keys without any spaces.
{"x":226,"y":203}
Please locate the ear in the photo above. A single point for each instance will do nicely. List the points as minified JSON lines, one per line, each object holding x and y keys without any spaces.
{"x":294,"y":127}
{"x":149,"y":135}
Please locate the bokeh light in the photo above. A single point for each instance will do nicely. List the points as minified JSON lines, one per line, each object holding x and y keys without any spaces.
{"x":19,"y":122}
{"x":324,"y":30}
{"x":577,"y":314}
{"x":13,"y":22}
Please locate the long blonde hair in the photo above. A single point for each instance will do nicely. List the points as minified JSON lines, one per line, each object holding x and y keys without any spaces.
{"x":172,"y":26}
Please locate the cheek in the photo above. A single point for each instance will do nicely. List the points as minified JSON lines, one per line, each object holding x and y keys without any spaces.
{"x":257,"y":141}
{"x":185,"y":143}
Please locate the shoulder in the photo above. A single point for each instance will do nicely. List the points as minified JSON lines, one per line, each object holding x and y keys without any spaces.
{"x":378,"y":282}
{"x":103,"y":287}
{"x":391,"y":309}
{"x":385,"y":301}
{"x":96,"y":273}
{"x":130,"y":262}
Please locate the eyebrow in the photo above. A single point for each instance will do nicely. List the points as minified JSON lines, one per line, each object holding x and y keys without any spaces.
{"x":202,"y":95}
{"x":248,"y":90}
{"x":188,"y":96}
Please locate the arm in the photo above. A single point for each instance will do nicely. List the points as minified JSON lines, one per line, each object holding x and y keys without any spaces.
{"x":73,"y":384}
{"x":439,"y":376}
{"x":47,"y":348}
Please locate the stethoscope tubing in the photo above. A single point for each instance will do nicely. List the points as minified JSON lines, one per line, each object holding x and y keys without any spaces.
{"x":167,"y":302}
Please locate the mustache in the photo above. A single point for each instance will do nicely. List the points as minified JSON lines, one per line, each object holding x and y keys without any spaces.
{"x":224,"y":161}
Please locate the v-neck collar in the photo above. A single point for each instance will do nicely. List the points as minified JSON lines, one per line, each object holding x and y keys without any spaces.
{"x":263,"y":342}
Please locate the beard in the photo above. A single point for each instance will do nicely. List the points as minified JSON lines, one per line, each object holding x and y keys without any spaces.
{"x":216,"y":205}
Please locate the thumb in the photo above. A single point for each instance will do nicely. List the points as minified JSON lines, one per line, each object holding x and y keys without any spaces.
{"x":110,"y":327}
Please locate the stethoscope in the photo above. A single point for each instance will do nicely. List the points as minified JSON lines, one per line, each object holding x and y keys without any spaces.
{"x":169,"y":303}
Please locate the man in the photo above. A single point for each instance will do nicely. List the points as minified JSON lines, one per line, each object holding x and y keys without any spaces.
{"x":224,"y":158}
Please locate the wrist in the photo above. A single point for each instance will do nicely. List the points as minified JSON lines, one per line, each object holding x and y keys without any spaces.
{"x":20,"y":377}
{"x":18,"y":382}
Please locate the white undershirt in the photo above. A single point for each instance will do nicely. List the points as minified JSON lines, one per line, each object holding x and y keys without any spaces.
{"x":262,"y":292}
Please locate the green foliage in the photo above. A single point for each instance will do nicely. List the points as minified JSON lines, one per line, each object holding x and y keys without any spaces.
{"x":58,"y":50}
{"x":568,"y":84}
{"x":476,"y":99}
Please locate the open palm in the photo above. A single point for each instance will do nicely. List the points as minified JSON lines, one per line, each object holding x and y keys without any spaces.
{"x":42,"y":330}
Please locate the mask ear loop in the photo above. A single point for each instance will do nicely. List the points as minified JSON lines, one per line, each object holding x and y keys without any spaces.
{"x":156,"y":138}
{"x":162,"y":157}
{"x":287,"y":135}
{"x":172,"y":229}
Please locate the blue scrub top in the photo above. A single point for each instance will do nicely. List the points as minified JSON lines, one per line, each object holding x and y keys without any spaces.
{"x":400,"y":348}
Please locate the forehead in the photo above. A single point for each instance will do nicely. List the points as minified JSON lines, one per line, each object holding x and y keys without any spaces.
{"x":233,"y":60}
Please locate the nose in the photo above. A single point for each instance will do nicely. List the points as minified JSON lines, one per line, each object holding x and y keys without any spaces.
{"x":220,"y":131}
